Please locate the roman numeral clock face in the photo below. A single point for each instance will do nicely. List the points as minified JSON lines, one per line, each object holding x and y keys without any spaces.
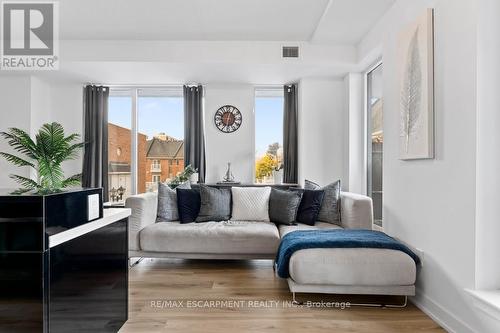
{"x":228,"y":119}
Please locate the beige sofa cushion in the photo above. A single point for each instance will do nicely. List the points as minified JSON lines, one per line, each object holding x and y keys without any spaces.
{"x":235,"y":237}
{"x":284,"y":229}
{"x":359,"y":266}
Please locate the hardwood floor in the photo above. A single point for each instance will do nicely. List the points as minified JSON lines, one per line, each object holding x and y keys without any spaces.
{"x":163,"y":295}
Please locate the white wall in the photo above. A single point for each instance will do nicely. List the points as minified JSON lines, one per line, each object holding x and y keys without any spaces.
{"x":39,"y":108}
{"x":39,"y":103}
{"x":323,"y":131}
{"x":488,"y":143}
{"x":237,"y":147}
{"x":67,"y":109}
{"x":431,"y":203}
{"x":15,"y":104}
{"x":158,"y":62}
{"x":323,"y":126}
{"x":28,"y":102}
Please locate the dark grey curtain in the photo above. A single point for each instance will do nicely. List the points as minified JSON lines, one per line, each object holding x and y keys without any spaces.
{"x":95,"y":157}
{"x":194,"y":136}
{"x":290,"y":140}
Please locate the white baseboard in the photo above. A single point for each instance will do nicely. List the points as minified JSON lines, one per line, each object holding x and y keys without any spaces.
{"x":440,"y":315}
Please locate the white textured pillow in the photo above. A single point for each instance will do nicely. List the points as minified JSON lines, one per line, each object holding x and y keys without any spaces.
{"x":250,"y":203}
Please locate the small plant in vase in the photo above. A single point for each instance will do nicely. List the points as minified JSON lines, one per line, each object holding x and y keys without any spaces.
{"x":183,"y":176}
{"x":278,"y":173}
{"x":45,"y":155}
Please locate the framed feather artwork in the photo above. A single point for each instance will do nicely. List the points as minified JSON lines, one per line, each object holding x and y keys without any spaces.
{"x":416,"y":89}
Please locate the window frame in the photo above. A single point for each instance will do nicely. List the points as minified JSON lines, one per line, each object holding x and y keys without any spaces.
{"x":263,"y":92}
{"x":367,"y":131}
{"x":134,"y":92}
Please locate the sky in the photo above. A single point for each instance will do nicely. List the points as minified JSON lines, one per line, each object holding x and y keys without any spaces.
{"x":154,"y":115}
{"x":166,"y":114}
{"x":268,"y":123}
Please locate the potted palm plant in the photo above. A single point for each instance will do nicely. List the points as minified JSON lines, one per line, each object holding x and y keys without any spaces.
{"x":45,"y":154}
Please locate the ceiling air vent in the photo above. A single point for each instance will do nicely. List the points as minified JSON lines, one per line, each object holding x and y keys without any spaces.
{"x":290,"y":52}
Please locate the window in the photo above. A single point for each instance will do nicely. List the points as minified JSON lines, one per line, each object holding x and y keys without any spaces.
{"x":269,"y":135}
{"x":375,"y":140}
{"x":155,"y":166}
{"x":119,"y":146}
{"x":146,"y":126}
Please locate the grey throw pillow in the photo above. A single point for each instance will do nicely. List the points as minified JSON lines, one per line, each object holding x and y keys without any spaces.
{"x":167,"y":202}
{"x":283,"y":206}
{"x":215,"y":204}
{"x":330,"y":207}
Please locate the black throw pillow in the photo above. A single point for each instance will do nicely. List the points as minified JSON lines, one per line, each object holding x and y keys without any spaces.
{"x":188,"y":204}
{"x":310,"y":206}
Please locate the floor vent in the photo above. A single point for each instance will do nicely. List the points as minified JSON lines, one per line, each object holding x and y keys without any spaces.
{"x":290,"y":52}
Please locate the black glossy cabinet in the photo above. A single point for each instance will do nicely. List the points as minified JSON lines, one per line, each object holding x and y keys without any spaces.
{"x":79,"y":284}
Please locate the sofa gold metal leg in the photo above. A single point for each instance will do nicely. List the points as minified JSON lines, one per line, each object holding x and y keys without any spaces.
{"x":389,"y":306}
{"x":368,"y":305}
{"x":405,"y":303}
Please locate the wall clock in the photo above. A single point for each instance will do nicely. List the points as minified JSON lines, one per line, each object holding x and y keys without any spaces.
{"x":228,"y":119}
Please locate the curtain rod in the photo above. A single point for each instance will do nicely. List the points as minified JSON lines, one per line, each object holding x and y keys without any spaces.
{"x":137,"y":85}
{"x":268,"y":86}
{"x":190,"y":84}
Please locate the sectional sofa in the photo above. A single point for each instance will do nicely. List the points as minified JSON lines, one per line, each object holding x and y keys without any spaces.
{"x":331,"y":270}
{"x":226,"y":239}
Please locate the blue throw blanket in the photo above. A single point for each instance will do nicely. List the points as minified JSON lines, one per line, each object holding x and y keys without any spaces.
{"x":312,"y":239}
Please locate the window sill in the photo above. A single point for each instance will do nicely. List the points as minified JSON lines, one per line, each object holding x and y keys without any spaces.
{"x":488,"y":301}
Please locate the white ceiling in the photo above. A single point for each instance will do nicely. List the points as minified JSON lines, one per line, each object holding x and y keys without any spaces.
{"x":347,"y":21}
{"x":329,"y":21}
{"x":208,"y":41}
{"x":190,"y":19}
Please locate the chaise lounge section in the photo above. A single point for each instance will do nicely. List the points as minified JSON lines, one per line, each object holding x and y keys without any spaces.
{"x":352,"y":271}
